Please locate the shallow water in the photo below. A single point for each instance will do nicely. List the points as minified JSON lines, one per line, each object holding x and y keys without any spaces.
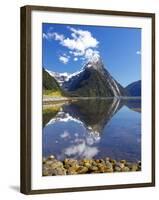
{"x":94,"y":128}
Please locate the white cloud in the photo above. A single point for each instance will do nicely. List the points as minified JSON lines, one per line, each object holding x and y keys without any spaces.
{"x":77,"y":53}
{"x":81,"y":149}
{"x":75,"y":59}
{"x":45,"y":36}
{"x":77,"y":149}
{"x":80,"y":41}
{"x":92,"y":55}
{"x":80,"y":44}
{"x":138,"y":52}
{"x":57,"y":36}
{"x":64,"y":59}
{"x":53,"y":35}
{"x":65,"y":134}
{"x":90,"y":152}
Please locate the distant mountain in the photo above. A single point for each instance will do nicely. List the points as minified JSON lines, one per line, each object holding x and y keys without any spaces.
{"x":50,"y":83}
{"x":134,"y":89}
{"x":60,"y":77}
{"x":93,"y":80}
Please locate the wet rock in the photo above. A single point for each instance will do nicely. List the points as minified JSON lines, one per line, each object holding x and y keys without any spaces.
{"x":88,"y":165}
{"x":44,"y":160}
{"x":117,"y":169}
{"x":123,"y":161}
{"x":107,"y":159}
{"x":74,"y":168}
{"x":109,"y":170}
{"x":119,"y":164}
{"x":70,"y":163}
{"x":70,"y":172}
{"x":94,"y":163}
{"x":59,"y":171}
{"x":82,"y":170}
{"x":128,"y":164}
{"x":93,"y":168}
{"x":139,"y":163}
{"x":125,"y":169}
{"x":53,"y":167}
{"x":51,"y":157}
{"x":105,"y":169}
{"x":134,"y":167}
{"x":113,"y":161}
{"x":86,"y":161}
{"x":102,"y":161}
{"x":108,"y":165}
{"x":47,"y":171}
{"x":56,"y":165}
{"x":102,"y":168}
{"x":48,"y":162}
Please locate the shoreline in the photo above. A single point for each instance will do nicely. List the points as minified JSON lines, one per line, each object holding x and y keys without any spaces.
{"x":58,"y":99}
{"x":53,"y":167}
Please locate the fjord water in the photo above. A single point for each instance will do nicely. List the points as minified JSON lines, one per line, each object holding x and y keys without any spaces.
{"x":93,"y":128}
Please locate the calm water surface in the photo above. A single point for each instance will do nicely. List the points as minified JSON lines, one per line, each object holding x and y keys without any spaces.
{"x":94,"y":128}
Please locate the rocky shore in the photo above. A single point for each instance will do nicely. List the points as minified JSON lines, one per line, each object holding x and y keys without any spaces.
{"x":53,"y":167}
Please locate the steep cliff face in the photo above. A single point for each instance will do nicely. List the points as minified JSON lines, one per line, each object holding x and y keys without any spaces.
{"x":94,"y":80}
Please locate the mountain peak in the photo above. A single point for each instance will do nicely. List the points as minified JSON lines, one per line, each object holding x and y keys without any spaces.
{"x":95,"y":63}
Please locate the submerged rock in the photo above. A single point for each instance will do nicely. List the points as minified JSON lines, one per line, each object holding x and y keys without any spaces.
{"x":117,"y":169}
{"x":125,"y":169}
{"x":82,"y":170}
{"x":54,"y":167}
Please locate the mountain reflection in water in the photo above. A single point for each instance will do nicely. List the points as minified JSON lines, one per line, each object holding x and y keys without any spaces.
{"x":93,"y":128}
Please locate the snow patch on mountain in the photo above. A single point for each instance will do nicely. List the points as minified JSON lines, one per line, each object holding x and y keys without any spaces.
{"x":63,"y":77}
{"x":63,"y":117}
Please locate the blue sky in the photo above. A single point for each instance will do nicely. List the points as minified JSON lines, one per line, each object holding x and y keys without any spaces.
{"x":66,"y":48}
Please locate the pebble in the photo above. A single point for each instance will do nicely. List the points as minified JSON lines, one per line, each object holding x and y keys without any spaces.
{"x":119,"y":164}
{"x":82,"y":170}
{"x":125,"y":169}
{"x":134,"y":167}
{"x":51,"y":157}
{"x":123,"y":161}
{"x":54,"y":167}
{"x":117,"y":169}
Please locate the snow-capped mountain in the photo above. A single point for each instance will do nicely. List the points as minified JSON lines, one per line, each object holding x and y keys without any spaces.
{"x":63,"y":77}
{"x":60,"y":77}
{"x":92,"y":80}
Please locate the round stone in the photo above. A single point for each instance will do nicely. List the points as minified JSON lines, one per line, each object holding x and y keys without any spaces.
{"x":51,"y":157}
{"x":125,"y":169}
{"x":82,"y":170}
{"x":123,"y":161}
{"x":117,"y":169}
{"x":121,"y":165}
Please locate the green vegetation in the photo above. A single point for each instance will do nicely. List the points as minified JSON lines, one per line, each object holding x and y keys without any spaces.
{"x":51,"y":93}
{"x":51,"y":87}
{"x":49,"y":112}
